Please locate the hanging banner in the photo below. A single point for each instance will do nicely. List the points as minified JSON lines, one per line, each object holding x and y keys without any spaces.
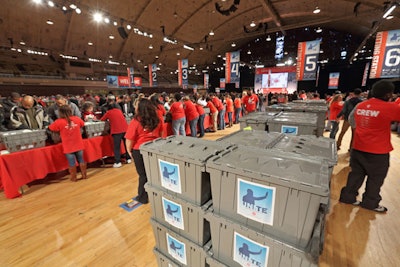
{"x":183,"y":76}
{"x":206,"y":80}
{"x":118,"y":81}
{"x":386,"y":58}
{"x":137,"y":82}
{"x":333,"y":80}
{"x":279,"y":50}
{"x":365,"y":75}
{"x":130,"y":75}
{"x":307,"y":58}
{"x":232,"y":74}
{"x":222,"y":83}
{"x":153,"y":75}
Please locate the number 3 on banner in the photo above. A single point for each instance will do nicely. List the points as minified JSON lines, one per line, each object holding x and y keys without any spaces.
{"x":311,"y":63}
{"x":235,"y":69}
{"x":392,"y":57}
{"x":184,"y":74}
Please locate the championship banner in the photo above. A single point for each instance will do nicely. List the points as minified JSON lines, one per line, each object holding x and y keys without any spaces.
{"x":206,"y":80}
{"x":232,"y":74}
{"x":137,"y":82}
{"x":386,"y":59}
{"x":307,"y":58}
{"x":130,"y":75}
{"x":365,"y":75}
{"x":117,"y":81}
{"x":333,"y":80}
{"x":183,"y":76}
{"x":153,"y":75}
{"x":222,"y":82}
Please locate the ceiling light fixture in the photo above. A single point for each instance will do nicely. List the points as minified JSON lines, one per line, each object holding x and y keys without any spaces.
{"x":111,"y":37}
{"x":249,"y":52}
{"x":188,"y":47}
{"x":389,"y":11}
{"x":97,"y":17}
{"x":129,"y":27}
{"x":178,"y":54}
{"x":211,"y":33}
{"x":150,"y":46}
{"x":50,"y":3}
{"x":78,"y":11}
{"x":268,"y":38}
{"x":390,"y":17}
{"x":318,"y":30}
{"x":90,"y":43}
{"x":72,"y":6}
{"x":49,"y":22}
{"x":316,"y":10}
{"x":233,"y":44}
{"x":252,"y":24}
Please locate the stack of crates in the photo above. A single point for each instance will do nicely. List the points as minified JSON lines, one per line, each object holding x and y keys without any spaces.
{"x":179,"y":191}
{"x":97,"y":128}
{"x":314,"y":108}
{"x":268,"y":207}
{"x":295,"y":123}
{"x":23,"y":139}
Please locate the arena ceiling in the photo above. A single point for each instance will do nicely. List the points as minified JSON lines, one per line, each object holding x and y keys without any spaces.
{"x":58,"y":29}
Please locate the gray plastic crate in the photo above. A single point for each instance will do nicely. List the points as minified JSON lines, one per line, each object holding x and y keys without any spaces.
{"x":257,"y":120}
{"x":179,"y":215}
{"x":320,"y":111}
{"x":163,"y":260}
{"x":177,"y":164}
{"x":272,"y":193}
{"x":97,"y":128}
{"x":253,"y":138}
{"x":294,"y":123}
{"x":307,"y":145}
{"x":320,"y":102}
{"x":23,"y":139}
{"x":235,"y":245}
{"x":179,"y":249}
{"x":211,"y":262}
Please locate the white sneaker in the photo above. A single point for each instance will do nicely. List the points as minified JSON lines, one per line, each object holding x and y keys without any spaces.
{"x":128,"y":161}
{"x":117,"y":165}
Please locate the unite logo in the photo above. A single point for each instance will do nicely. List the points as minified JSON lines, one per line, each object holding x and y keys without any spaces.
{"x":249,"y":253}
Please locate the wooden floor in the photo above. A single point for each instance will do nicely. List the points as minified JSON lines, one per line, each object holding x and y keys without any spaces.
{"x":60,"y":223}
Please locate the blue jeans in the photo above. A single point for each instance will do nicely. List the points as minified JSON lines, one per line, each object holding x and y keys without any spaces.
{"x":72,"y":157}
{"x":221,"y":122}
{"x":117,"y":146}
{"x":200,"y":124}
{"x":230,"y":117}
{"x":193,"y":127}
{"x":178,"y":126}
{"x":237,"y":114}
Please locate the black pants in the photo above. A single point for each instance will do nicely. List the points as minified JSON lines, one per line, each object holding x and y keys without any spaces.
{"x":117,"y":146}
{"x":139,"y":164}
{"x":375,"y":167}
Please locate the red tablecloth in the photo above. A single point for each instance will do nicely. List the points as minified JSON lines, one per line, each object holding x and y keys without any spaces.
{"x":20,"y":168}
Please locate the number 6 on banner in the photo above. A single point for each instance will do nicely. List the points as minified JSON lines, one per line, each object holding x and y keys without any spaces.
{"x":392,"y":57}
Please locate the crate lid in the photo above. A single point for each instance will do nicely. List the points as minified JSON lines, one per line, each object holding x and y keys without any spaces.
{"x":296,"y":118}
{"x":300,"y":173}
{"x":185,"y":148}
{"x":258,"y":117}
{"x":308,"y":145}
{"x":253,"y":138}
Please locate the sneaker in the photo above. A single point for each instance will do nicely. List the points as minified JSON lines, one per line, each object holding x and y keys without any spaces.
{"x":380,"y":209}
{"x":117,"y":165}
{"x":356,"y":203}
{"x":128,"y":161}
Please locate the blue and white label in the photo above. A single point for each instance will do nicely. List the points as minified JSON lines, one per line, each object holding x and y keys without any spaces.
{"x":249,"y":253}
{"x":170,"y":176}
{"x":287,"y":129}
{"x":256,"y":201}
{"x":173,"y":213}
{"x":176,"y":249}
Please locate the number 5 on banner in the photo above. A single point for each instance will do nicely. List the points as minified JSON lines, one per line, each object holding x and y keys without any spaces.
{"x":311,"y":63}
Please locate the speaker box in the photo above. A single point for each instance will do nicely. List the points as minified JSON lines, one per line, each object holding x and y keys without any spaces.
{"x":122,"y":32}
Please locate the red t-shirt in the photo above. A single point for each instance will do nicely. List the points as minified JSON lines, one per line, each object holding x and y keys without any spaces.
{"x":190,"y":110}
{"x":117,"y":121}
{"x":70,"y":135}
{"x":229,"y":105}
{"x":200,"y":109}
{"x":335,"y":109}
{"x":177,"y":110}
{"x":250,"y":102}
{"x":217,"y":103}
{"x":138,"y":135}
{"x":237,"y":102}
{"x":211,"y":106}
{"x":373,"y":118}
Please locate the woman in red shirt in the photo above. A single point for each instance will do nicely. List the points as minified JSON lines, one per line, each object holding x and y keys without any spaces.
{"x":238,"y":108}
{"x":200,"y":122}
{"x":118,"y":126}
{"x":214,"y":114}
{"x":229,"y":108}
{"x":335,"y":107}
{"x":178,"y":116}
{"x":144,"y":127}
{"x":70,"y":132}
{"x":191,"y":115}
{"x":161,"y":112}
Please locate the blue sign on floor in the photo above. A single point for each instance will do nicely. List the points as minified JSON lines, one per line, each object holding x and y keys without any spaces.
{"x":131,"y":204}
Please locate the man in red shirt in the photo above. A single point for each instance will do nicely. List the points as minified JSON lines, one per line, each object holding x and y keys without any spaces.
{"x":371,"y":146}
{"x":250,"y":102}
